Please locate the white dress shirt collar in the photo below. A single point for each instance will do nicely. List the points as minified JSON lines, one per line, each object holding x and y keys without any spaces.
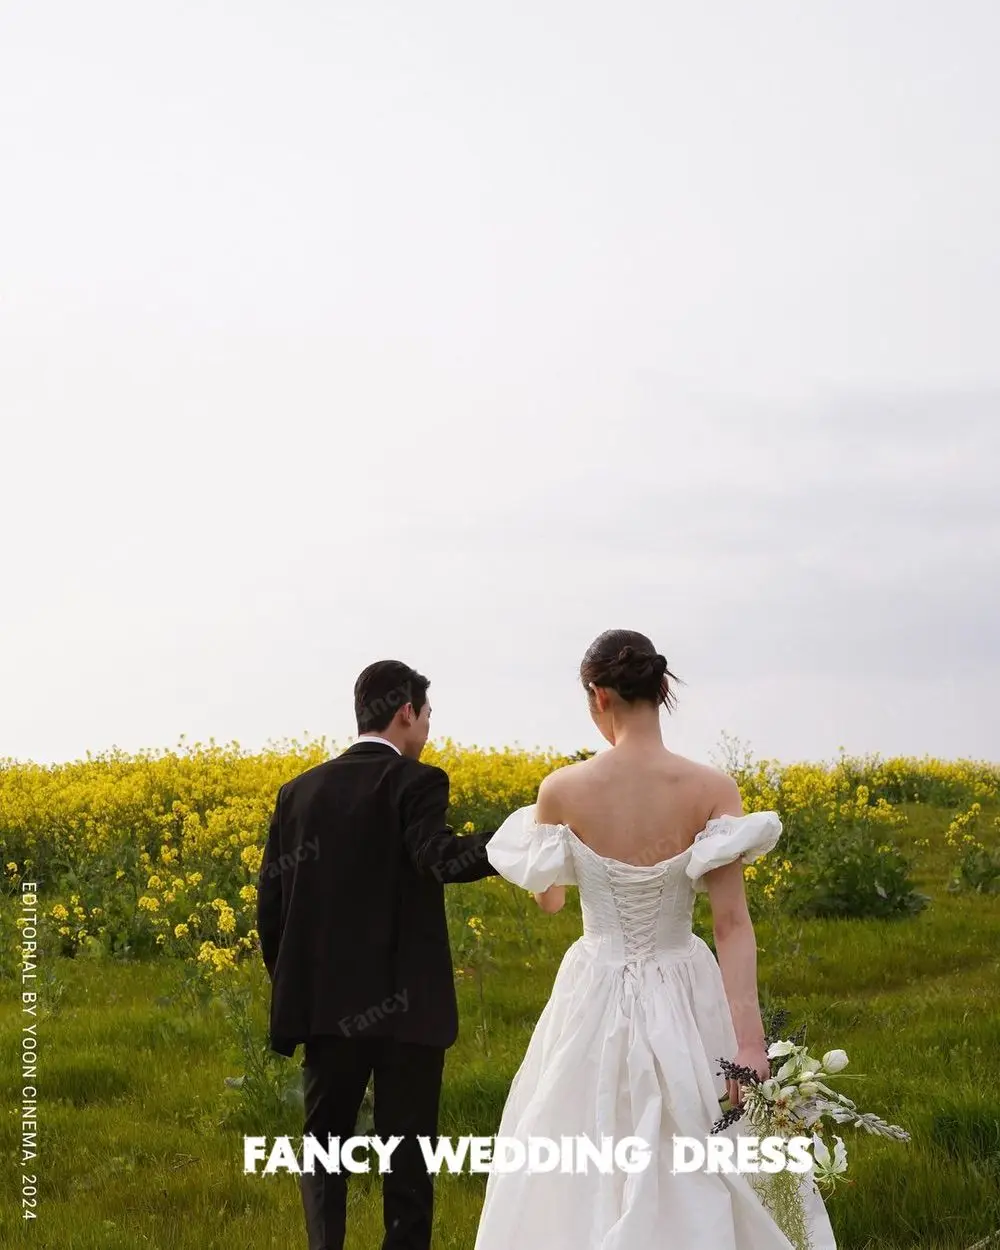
{"x":376,"y":738}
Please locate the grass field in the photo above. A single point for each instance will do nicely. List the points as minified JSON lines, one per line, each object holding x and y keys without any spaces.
{"x":140,"y":1137}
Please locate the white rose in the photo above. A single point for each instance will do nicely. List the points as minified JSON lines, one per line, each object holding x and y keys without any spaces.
{"x":835,"y":1061}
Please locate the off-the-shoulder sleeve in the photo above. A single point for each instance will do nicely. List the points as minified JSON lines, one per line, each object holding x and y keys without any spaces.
{"x":727,"y":838}
{"x":529,"y":854}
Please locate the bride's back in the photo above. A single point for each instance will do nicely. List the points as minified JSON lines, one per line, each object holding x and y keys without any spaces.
{"x":638,"y":806}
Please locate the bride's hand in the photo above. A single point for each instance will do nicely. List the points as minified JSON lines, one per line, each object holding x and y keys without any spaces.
{"x":754,"y":1057}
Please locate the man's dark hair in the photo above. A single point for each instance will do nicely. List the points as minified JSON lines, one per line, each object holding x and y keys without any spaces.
{"x":382,"y":689}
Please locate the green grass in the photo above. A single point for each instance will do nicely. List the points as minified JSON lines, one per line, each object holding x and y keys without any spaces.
{"x":140,"y":1139}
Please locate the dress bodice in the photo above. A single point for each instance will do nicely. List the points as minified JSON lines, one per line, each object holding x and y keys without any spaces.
{"x":630,"y":912}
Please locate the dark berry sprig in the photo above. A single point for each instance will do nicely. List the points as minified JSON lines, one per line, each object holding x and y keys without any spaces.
{"x":737,"y":1072}
{"x":776,"y":1025}
{"x":745,"y":1076}
{"x":727,"y":1118}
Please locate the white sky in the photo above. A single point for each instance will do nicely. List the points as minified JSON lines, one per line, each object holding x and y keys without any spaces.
{"x":458,"y":333}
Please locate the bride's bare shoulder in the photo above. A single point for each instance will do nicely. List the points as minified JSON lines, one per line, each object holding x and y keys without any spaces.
{"x":558,"y":787}
{"x":716,"y":791}
{"x":564,"y":777}
{"x":722,"y":792}
{"x":695,"y":770}
{"x":694,"y":766}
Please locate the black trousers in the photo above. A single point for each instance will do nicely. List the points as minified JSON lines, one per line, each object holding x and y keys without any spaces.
{"x":407,"y":1087}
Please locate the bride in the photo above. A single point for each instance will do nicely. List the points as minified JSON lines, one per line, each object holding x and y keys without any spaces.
{"x":640,"y":1011}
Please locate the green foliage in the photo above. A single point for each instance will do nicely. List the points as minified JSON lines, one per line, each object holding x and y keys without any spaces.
{"x":143,"y":1141}
{"x":270,"y":1096}
{"x":913,"y":1003}
{"x":969,"y":1132}
{"x":854,"y":873}
{"x":780,"y":1192}
{"x":977,"y":870}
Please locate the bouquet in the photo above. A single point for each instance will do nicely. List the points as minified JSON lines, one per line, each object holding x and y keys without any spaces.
{"x":795,"y":1100}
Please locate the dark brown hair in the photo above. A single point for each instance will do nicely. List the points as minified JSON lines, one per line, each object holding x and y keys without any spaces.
{"x":382,"y":689}
{"x":627,"y":662}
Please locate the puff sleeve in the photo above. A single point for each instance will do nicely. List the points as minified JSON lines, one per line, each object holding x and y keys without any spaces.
{"x":727,"y":838}
{"x":531,"y":855}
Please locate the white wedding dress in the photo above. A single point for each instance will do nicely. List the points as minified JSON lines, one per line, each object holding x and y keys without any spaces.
{"x":627,"y":1045}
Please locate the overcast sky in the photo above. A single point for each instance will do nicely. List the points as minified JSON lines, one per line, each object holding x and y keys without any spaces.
{"x":458,"y":333}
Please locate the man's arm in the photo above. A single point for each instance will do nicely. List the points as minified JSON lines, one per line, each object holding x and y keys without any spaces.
{"x":269,"y":893}
{"x":430,"y":843}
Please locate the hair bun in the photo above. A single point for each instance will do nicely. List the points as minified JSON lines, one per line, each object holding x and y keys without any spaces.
{"x":638,"y":663}
{"x":626,"y":661}
{"x":634,"y":670}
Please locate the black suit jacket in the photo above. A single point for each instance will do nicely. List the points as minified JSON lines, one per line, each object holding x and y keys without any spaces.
{"x":350,"y":901}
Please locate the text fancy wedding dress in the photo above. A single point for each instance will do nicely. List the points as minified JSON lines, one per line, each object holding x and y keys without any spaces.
{"x":627,"y":1045}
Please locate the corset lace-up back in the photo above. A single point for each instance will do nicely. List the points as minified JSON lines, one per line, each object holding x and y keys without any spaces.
{"x":632,"y":912}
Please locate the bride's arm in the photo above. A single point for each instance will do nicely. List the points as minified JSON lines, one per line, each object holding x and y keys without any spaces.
{"x":552,"y":900}
{"x":546,"y":813}
{"x":736,"y":947}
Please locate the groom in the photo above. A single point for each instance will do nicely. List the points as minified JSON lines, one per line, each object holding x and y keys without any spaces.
{"x":351,"y":917}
